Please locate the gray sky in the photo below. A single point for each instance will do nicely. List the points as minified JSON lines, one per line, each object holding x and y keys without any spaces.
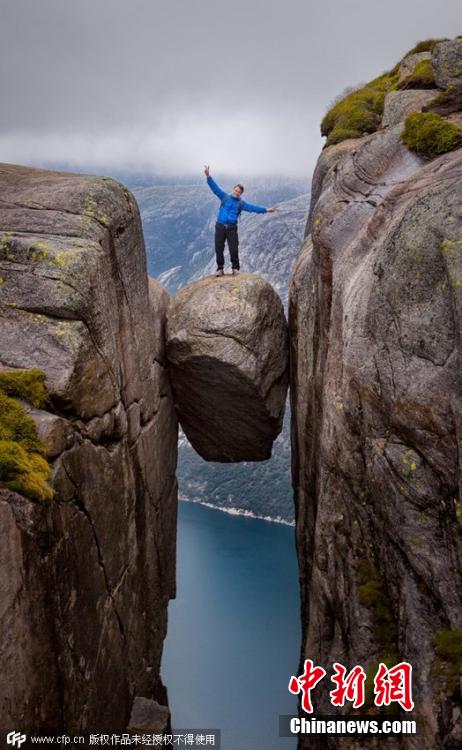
{"x":168,"y":85}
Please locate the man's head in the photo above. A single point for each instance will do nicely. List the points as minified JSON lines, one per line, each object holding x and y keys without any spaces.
{"x":238,"y":190}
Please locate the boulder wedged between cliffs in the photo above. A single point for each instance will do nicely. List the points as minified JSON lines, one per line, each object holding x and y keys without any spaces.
{"x":227,"y":347}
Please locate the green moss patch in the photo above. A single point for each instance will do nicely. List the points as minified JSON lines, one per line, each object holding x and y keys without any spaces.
{"x":26,"y":384}
{"x":448,"y":663}
{"x":360,"y":111}
{"x":23,"y":467}
{"x":422,"y":77}
{"x":430,"y":135}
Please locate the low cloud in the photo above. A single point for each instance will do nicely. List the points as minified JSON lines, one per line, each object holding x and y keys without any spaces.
{"x":250,"y":143}
{"x":167,"y":85}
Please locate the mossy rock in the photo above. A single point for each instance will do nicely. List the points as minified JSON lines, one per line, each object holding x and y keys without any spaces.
{"x":369,"y":696}
{"x":446,"y":102}
{"x":26,"y":384}
{"x":422,"y":77}
{"x":24,"y":472}
{"x":373,"y":595}
{"x":22,"y":465}
{"x":448,"y":662}
{"x":359,"y":112}
{"x":424,"y":46}
{"x":430,"y":135}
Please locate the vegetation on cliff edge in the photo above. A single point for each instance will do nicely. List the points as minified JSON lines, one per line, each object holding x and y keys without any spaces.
{"x":422,"y":77}
{"x":360,"y":111}
{"x":23,"y":467}
{"x":424,"y":46}
{"x":430,"y":135}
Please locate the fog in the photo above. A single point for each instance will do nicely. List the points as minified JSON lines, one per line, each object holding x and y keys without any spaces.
{"x":168,"y":85}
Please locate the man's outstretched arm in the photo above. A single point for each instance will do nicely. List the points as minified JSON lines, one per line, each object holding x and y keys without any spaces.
{"x":213,"y":185}
{"x":257,"y":209}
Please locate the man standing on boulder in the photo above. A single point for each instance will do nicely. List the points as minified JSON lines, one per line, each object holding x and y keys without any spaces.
{"x":226,"y":223}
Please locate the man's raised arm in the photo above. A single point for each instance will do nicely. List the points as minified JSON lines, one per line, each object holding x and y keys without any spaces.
{"x":213,"y":185}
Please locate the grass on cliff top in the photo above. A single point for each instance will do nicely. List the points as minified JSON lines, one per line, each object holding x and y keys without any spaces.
{"x":424,"y":46}
{"x":360,"y":111}
{"x":23,"y":467}
{"x":422,"y":77}
{"x":430,"y":135}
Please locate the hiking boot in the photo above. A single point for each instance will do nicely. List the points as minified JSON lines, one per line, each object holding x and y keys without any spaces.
{"x":219,"y":272}
{"x":235,"y":271}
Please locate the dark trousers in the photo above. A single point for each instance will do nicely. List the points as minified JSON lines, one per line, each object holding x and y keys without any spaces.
{"x":226,"y":232}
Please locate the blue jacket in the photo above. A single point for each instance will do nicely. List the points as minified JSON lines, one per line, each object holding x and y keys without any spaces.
{"x":231,"y":207}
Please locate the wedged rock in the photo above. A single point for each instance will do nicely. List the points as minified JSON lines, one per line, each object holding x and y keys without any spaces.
{"x":447,"y":63}
{"x":399,"y":104}
{"x":228,"y":353}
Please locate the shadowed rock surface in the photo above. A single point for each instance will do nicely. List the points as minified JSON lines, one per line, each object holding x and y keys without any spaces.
{"x":228,"y":353}
{"x":85,"y":580}
{"x":375,"y":326}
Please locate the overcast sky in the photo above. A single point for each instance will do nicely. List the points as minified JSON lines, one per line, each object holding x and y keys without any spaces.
{"x":168,"y":85}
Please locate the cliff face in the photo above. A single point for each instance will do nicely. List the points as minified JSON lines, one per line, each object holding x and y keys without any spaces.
{"x":85,"y":578}
{"x":375,"y":327}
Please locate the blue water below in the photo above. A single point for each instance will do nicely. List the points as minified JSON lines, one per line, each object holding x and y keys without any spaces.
{"x":233,"y":631}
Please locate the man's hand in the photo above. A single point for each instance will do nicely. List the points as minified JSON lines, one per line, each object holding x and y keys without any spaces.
{"x":272,"y":209}
{"x":206,"y":170}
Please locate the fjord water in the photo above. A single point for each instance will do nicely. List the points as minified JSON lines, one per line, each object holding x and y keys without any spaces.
{"x":233,"y":630}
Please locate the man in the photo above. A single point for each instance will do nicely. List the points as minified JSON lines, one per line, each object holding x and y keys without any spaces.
{"x":226,"y":223}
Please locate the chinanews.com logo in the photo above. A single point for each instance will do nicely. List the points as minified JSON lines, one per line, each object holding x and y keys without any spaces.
{"x":15,"y":738}
{"x":392,"y":685}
